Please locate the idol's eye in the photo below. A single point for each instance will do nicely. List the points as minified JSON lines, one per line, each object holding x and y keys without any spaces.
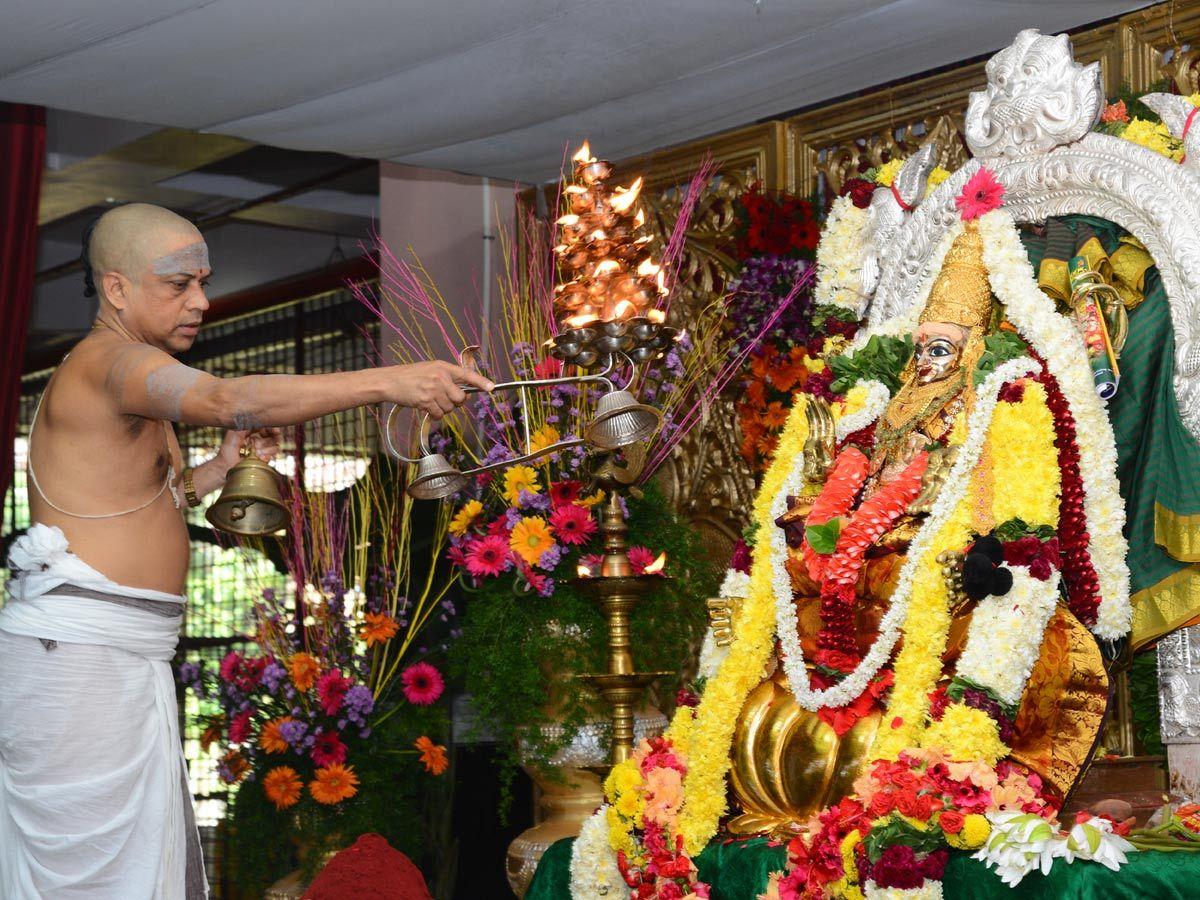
{"x":939,"y":349}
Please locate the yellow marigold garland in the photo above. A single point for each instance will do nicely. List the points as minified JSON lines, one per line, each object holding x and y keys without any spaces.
{"x":711,"y":731}
{"x":926,"y":629}
{"x":1024,"y":460}
{"x":965,"y":733}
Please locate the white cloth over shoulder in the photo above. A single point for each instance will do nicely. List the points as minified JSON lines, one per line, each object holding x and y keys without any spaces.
{"x":92,"y":801}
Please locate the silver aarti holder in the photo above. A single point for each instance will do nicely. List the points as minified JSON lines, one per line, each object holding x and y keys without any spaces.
{"x":640,"y":339}
{"x":618,"y":422}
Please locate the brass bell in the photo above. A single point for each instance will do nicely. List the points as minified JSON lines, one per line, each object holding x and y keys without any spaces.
{"x":436,"y":479}
{"x":620,"y":421}
{"x":250,"y":503}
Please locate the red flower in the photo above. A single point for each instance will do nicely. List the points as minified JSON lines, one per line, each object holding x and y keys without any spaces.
{"x":572,"y":524}
{"x":566,"y":491}
{"x":897,"y":868}
{"x":1013,"y":392}
{"x":331,"y":690}
{"x":741,"y":557}
{"x":640,"y":558}
{"x":243,"y":673}
{"x":951,"y":821}
{"x":548,"y":368}
{"x":423,"y":684}
{"x":684,"y":697}
{"x":329,"y":750}
{"x":860,"y":191}
{"x":980,"y":195}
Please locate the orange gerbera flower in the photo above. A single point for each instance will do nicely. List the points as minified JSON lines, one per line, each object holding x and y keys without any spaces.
{"x":334,"y":784}
{"x":756,"y":393}
{"x":760,"y":366}
{"x":432,"y":755}
{"x":212,"y":733}
{"x":775,"y":416}
{"x":380,"y":629}
{"x":785,"y":375}
{"x":232,"y":767}
{"x":270,"y":739}
{"x":304,"y":670}
{"x":283,"y":787}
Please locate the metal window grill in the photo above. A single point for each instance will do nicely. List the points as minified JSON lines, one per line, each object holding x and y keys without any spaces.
{"x":324,"y":333}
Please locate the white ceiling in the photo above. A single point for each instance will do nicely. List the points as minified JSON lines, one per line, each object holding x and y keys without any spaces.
{"x":491,"y":87}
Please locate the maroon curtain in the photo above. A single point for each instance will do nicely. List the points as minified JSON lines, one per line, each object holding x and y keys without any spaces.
{"x":22,"y":153}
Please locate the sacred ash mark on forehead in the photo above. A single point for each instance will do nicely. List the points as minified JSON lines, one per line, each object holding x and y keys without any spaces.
{"x":189,"y":260}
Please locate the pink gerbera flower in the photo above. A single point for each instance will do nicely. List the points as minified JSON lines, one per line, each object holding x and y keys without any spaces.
{"x":639,"y":558}
{"x":565,"y":491}
{"x":331,"y":690}
{"x":239,"y":727}
{"x":980,"y":195}
{"x":572,"y":524}
{"x":329,"y":750}
{"x":423,"y":684}
{"x":488,"y":555}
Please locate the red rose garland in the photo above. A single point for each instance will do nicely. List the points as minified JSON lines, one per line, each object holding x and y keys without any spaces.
{"x":1083,"y":586}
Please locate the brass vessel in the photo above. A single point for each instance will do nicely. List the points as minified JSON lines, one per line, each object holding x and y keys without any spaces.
{"x":251,"y":503}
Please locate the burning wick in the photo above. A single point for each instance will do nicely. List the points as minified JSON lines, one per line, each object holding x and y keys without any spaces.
{"x":657,"y":566}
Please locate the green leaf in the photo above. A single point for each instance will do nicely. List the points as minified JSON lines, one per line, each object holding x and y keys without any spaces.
{"x":823,"y":538}
{"x":999,"y":348}
{"x":882,"y":358}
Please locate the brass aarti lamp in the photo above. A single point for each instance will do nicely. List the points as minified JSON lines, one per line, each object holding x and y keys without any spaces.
{"x":609,"y":317}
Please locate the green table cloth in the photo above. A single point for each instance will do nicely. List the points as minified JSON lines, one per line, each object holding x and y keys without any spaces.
{"x":739,"y":870}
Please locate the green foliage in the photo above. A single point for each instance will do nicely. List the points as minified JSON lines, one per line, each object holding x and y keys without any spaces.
{"x":396,"y":798}
{"x":881,"y":359}
{"x":1143,"y":694}
{"x":898,"y":831}
{"x":999,"y":348}
{"x":826,"y":311}
{"x":1017,"y":528}
{"x":520,"y":654}
{"x":823,"y":538}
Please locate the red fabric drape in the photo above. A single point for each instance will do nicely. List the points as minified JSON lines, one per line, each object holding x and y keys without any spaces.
{"x":22,"y":154}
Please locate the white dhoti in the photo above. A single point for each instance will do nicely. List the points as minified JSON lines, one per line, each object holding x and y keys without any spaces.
{"x":93,"y":793}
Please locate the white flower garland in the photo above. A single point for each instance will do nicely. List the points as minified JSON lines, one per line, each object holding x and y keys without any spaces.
{"x":840,"y":258}
{"x":878,"y":397}
{"x":735,"y":586}
{"x":1058,"y":342}
{"x":930,"y":890}
{"x":1005,"y":638}
{"x":953,"y":490}
{"x":594,"y":871}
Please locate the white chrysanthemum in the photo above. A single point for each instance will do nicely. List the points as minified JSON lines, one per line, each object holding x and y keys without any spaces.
{"x":594,"y":871}
{"x":930,"y":890}
{"x":1005,"y":638}
{"x":839,"y":257}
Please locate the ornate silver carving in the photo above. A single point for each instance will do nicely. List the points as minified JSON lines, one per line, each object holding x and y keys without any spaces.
{"x":1151,"y":196}
{"x":1037,"y":98}
{"x":887,"y":215}
{"x":1179,"y":686}
{"x":1175,"y":111}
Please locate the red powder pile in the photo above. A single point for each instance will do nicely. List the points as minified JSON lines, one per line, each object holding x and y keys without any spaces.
{"x":369,"y":870}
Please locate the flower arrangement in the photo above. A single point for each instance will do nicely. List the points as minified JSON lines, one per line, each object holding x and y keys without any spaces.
{"x":330,"y":726}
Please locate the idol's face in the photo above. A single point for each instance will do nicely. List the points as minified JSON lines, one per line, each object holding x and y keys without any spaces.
{"x":938,"y":347}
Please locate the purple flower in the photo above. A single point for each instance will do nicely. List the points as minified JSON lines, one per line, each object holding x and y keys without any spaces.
{"x":294,"y":733}
{"x":550,"y":559}
{"x":358,"y":704}
{"x":528,"y":500}
{"x":273,"y":675}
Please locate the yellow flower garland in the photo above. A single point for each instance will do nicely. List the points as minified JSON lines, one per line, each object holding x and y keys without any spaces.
{"x":966,"y":733}
{"x":712,"y":729}
{"x":1024,"y":460}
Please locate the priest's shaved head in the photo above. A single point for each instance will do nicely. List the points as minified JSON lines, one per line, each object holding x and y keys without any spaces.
{"x":149,"y":267}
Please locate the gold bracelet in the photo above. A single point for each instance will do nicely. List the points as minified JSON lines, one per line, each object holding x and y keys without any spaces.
{"x":189,"y":488}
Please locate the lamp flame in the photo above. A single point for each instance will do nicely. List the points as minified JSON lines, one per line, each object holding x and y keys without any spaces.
{"x":640,"y":219}
{"x":605,"y":266}
{"x":569,"y":219}
{"x":623,"y":309}
{"x":649,"y":267}
{"x":575,"y":189}
{"x":627,"y":197}
{"x":580,"y":321}
{"x":657,"y":566}
{"x":657,"y":316}
{"x":583,"y":571}
{"x":584,"y":155}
